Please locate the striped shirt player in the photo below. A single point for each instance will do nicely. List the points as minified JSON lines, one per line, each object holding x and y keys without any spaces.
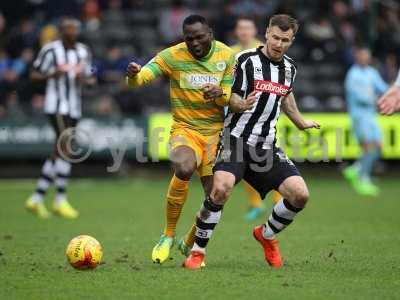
{"x":273,"y":81}
{"x":255,"y":128}
{"x":64,"y":94}
{"x":263,"y":85}
{"x":65,"y":65}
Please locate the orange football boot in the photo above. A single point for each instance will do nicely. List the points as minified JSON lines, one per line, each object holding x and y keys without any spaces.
{"x":271,"y":248}
{"x":194,"y":261}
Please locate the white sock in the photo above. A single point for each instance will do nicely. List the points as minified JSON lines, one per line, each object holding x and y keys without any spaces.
{"x":45,"y":180}
{"x":282,"y":215}
{"x":63,"y":171}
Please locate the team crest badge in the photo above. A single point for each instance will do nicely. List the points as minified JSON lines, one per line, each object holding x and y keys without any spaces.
{"x":221,"y":65}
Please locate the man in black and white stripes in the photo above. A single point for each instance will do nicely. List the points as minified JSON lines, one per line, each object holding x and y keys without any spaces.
{"x":262,"y":87}
{"x":65,"y":65}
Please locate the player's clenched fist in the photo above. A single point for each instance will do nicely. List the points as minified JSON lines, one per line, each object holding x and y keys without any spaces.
{"x":212,"y":91}
{"x":133,"y":69}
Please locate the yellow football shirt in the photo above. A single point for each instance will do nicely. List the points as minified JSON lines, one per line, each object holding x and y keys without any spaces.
{"x":187,"y":76}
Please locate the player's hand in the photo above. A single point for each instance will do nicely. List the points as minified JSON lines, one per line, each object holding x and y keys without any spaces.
{"x":248,"y":103}
{"x":390,"y":101}
{"x":212,"y":91}
{"x":60,"y":71}
{"x":310,"y":124}
{"x":133,"y":69}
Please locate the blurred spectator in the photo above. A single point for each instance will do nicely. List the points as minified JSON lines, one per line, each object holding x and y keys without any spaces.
{"x":171,"y":19}
{"x":255,"y":8}
{"x":91,"y":15}
{"x":57,"y":9}
{"x":105,"y":107}
{"x":22,"y":36}
{"x":112,"y":68}
{"x":3,"y":33}
{"x":389,"y":68}
{"x":225,"y":23}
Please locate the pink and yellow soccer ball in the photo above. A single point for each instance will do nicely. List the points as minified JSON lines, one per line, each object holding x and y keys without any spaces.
{"x":84,"y":252}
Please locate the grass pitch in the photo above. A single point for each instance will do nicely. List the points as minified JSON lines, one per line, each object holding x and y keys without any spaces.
{"x":341,"y":247}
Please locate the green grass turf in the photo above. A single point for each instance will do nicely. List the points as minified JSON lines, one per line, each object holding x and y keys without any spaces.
{"x":341,"y":247}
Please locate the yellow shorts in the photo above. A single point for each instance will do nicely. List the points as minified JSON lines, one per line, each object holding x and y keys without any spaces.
{"x":205,"y":147}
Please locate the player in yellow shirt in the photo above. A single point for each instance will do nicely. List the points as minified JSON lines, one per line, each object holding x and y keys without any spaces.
{"x":246,"y":33}
{"x":200,"y":71}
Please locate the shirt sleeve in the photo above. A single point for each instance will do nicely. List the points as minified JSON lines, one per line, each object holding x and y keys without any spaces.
{"x":45,"y":60}
{"x":226,"y":82}
{"x":294,"y":73}
{"x":380,"y":85}
{"x":152,"y":70}
{"x":240,"y":79}
{"x":397,"y":81}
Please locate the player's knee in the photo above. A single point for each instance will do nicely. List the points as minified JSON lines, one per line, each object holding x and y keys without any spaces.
{"x":185,"y":170}
{"x":221,"y":191}
{"x":301,"y":198}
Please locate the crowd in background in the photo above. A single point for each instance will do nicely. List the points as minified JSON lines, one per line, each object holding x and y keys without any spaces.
{"x":119,"y":31}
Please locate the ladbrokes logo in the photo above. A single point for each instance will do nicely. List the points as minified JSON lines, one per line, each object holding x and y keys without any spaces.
{"x":271,"y":87}
{"x":196,"y":81}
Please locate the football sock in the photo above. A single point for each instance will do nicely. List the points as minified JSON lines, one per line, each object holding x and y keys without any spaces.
{"x":254,"y":196}
{"x":190,"y":236}
{"x":176,"y":197}
{"x":63,"y":171}
{"x":282,"y":215}
{"x":367,"y":163}
{"x":276,"y":197}
{"x":45,"y":180}
{"x":206,"y":220}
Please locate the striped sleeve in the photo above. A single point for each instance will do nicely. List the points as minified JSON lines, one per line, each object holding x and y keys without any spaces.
{"x":156,"y":67}
{"x":240,"y":78}
{"x":226,"y":83}
{"x":44,"y":61}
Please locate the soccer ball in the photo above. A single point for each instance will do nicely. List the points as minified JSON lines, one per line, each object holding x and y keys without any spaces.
{"x":84,"y":252}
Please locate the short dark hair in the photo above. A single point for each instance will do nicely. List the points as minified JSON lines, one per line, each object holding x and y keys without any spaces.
{"x":193,"y":19}
{"x":284,"y":22}
{"x":66,"y":21}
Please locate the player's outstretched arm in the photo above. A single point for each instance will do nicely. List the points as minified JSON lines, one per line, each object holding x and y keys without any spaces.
{"x":389,"y":103}
{"x":290,"y":108}
{"x":136,"y":75}
{"x":237,"y":104}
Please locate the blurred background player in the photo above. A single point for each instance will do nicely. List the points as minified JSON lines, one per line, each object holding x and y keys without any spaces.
{"x":64,"y":65}
{"x":200,"y":71}
{"x":363,"y":85}
{"x":246,"y":35}
{"x":390,"y":101}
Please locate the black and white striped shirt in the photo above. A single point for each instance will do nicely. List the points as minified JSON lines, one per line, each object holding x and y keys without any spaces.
{"x":273,"y":81}
{"x":63,"y":95}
